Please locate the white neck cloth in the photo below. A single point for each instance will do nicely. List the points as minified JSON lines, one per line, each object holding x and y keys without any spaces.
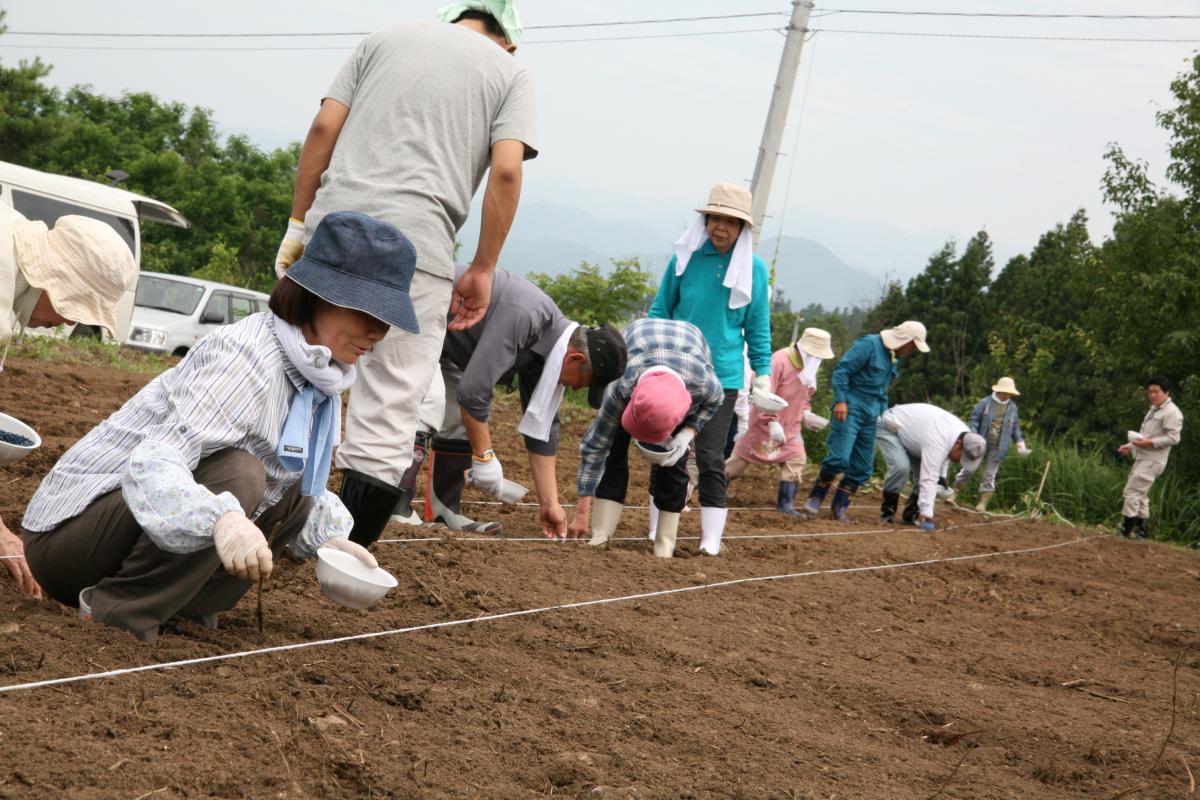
{"x":739,"y":278}
{"x":808,"y":375}
{"x":547,"y":395}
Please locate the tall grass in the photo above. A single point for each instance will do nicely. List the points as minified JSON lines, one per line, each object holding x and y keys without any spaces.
{"x":87,"y":351}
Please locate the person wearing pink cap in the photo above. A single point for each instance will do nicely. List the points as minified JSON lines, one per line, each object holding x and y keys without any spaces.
{"x":666,"y":395}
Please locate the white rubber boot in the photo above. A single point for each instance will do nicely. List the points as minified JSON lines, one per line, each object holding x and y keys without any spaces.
{"x":606,"y":516}
{"x":668,"y":529}
{"x":653,"y":518}
{"x":712,"y":528}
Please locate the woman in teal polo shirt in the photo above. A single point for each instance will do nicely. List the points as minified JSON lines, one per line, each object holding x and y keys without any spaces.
{"x":715,"y":282}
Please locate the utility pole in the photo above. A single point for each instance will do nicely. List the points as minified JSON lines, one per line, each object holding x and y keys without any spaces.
{"x":781,"y":100}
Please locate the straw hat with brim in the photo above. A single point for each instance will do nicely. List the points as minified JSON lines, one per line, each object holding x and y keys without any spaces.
{"x":730,"y":200}
{"x":902,"y":334}
{"x":816,"y":343}
{"x":359,"y":262}
{"x":1006,"y":385}
{"x":82,"y":264}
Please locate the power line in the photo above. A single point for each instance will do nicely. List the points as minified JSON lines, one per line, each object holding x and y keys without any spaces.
{"x":1005,"y":14}
{"x":1030,"y":37}
{"x":124,"y":35}
{"x":346,"y":47}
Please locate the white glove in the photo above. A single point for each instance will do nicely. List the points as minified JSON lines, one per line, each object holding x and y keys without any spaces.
{"x":761,"y":384}
{"x":743,"y":425}
{"x":291,"y":248}
{"x":677,"y":446}
{"x":1022,"y":450}
{"x":777,"y":432}
{"x":486,"y":472}
{"x":354,"y":549}
{"x":241,"y":546}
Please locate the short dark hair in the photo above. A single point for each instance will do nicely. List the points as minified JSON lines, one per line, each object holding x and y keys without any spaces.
{"x":1161,"y":381}
{"x":741,"y":222}
{"x":294,"y":304}
{"x":490,"y":23}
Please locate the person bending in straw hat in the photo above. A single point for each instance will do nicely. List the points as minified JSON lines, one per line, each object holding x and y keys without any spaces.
{"x":75,"y":272}
{"x":667,"y":394}
{"x":406,"y":131}
{"x":715,"y":282}
{"x":184,"y":497}
{"x":918,"y":440}
{"x":1162,"y":429}
{"x":861,"y":381}
{"x":995,"y":418}
{"x":775,"y":438}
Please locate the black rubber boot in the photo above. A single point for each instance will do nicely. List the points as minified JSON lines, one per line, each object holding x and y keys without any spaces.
{"x":1126,"y":528}
{"x":1141,"y":527}
{"x":912,"y":511}
{"x":887,"y":509}
{"x":785,"y":503}
{"x":451,"y":458}
{"x":841,"y":502}
{"x":408,"y":483}
{"x":816,"y":495}
{"x":371,"y":502}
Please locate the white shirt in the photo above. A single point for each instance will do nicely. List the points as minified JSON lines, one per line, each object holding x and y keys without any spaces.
{"x":928,"y":433}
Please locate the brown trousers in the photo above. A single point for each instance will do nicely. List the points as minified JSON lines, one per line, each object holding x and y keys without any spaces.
{"x":137,"y":585}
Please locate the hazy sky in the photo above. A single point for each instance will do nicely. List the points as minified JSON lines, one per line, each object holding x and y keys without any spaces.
{"x":926,"y":133}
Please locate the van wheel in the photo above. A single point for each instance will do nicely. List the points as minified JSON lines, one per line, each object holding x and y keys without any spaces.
{"x":86,"y":332}
{"x":180,"y":352}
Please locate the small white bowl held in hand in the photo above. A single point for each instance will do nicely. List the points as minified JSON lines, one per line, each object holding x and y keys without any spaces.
{"x":12,"y":453}
{"x":1133,"y":436}
{"x":653,"y":454}
{"x":765,"y":401}
{"x":815,"y":422}
{"x":511,"y":492}
{"x":349,"y":582}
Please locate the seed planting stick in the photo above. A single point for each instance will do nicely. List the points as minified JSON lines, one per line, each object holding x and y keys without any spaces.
{"x":1037,"y":497}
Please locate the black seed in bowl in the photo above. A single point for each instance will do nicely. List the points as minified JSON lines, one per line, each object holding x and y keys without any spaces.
{"x":15,"y":438}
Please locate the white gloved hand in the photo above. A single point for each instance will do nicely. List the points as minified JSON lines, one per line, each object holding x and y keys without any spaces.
{"x":241,"y":546}
{"x":353,"y":548}
{"x":743,"y":425}
{"x":677,"y":446}
{"x":761,"y":384}
{"x":291,"y":248}
{"x":486,"y":472}
{"x":777,"y":432}
{"x":1022,"y":450}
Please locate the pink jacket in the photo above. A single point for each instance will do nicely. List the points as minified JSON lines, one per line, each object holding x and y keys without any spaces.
{"x":756,"y":445}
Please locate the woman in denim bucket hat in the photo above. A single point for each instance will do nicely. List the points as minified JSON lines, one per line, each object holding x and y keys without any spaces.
{"x":222,"y":461}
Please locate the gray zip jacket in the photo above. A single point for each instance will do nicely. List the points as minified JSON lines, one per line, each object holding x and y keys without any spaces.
{"x":1164,"y":426}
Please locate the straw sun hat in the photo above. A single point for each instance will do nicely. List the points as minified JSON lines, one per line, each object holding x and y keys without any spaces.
{"x":730,"y":200}
{"x":816,"y":343}
{"x":82,"y":264}
{"x":1006,"y":385}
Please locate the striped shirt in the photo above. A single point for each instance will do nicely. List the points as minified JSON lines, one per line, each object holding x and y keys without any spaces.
{"x":231,"y":391}
{"x":651,"y":343}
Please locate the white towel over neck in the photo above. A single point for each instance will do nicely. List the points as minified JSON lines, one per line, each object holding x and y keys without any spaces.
{"x":739,"y":278}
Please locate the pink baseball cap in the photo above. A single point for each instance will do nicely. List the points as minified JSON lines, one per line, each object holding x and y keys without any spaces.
{"x":658,"y":404}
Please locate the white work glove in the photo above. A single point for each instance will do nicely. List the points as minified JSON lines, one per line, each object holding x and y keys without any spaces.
{"x":291,"y":248}
{"x":486,"y":472}
{"x":241,"y":546}
{"x":743,"y":425}
{"x":677,"y":446}
{"x":353,"y":548}
{"x":777,"y":432}
{"x":761,"y":384}
{"x":1022,"y":450}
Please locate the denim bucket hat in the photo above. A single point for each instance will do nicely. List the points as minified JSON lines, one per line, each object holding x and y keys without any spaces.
{"x":356,"y":261}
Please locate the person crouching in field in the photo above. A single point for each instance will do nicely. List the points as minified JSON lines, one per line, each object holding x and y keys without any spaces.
{"x":75,"y":272}
{"x":222,"y":460}
{"x":667,"y":394}
{"x":1162,"y":428}
{"x":775,"y":438}
{"x":995,"y":418}
{"x":917,"y":440}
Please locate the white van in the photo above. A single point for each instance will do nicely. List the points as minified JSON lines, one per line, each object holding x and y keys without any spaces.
{"x":46,"y":197}
{"x":173,"y":312}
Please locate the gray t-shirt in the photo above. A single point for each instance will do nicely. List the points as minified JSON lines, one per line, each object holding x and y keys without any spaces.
{"x":427,"y":101}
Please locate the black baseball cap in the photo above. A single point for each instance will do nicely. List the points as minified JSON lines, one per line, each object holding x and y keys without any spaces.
{"x":607,"y":354}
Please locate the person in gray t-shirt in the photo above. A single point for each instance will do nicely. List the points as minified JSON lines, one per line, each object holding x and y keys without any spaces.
{"x":405,"y":133}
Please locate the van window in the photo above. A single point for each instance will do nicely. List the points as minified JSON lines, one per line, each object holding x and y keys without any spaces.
{"x":242,"y":307}
{"x":49,"y":209}
{"x":165,"y":294}
{"x":218,"y":305}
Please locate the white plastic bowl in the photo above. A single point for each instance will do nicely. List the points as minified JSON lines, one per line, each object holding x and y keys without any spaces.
{"x":653,"y":454}
{"x":349,"y":582}
{"x":766,"y":401}
{"x":1132,"y":436}
{"x":511,"y":492}
{"x":12,"y":453}
{"x":815,"y":422}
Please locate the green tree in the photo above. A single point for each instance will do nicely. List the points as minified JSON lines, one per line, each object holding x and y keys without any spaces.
{"x":589,"y":297}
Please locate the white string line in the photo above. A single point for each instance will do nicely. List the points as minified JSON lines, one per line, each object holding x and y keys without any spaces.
{"x":419,"y":501}
{"x":816,"y":535}
{"x":3,"y":558}
{"x":528,"y":612}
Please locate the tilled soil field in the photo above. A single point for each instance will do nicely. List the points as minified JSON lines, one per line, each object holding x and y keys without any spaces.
{"x":1062,"y":672}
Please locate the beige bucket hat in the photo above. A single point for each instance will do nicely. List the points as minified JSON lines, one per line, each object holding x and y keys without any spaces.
{"x":816,"y":342}
{"x":730,"y":200}
{"x":82,"y":264}
{"x":902,"y":334}
{"x":1006,"y":385}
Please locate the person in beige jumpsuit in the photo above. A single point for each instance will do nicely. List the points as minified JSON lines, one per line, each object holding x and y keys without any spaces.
{"x":1161,"y":430}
